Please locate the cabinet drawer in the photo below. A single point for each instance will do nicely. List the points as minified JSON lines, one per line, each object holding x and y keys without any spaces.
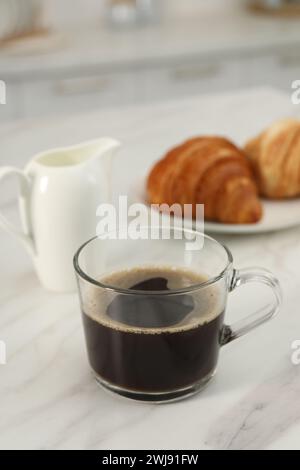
{"x":190,"y":79}
{"x":278,"y":70}
{"x":288,"y":66}
{"x":71,"y":95}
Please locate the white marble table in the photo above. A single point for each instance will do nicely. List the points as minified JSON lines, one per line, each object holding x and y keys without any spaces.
{"x":48,"y":399}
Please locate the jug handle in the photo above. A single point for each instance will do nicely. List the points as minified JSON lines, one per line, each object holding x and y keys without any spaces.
{"x":24,"y":236}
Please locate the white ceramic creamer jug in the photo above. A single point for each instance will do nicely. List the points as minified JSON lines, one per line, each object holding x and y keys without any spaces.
{"x":60,"y":191}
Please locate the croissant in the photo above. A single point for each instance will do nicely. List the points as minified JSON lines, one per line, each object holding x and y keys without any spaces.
{"x":275,"y":156}
{"x":210,"y":171}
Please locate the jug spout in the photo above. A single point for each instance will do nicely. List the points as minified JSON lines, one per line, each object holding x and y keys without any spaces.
{"x":102,"y":151}
{"x":103,"y":147}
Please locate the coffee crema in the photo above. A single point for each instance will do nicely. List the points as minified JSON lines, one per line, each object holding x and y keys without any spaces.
{"x":153,"y":340}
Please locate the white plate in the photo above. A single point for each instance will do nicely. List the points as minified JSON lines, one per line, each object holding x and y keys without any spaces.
{"x":277,"y":215}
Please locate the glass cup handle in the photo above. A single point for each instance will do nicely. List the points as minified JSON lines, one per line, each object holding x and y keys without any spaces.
{"x":242,"y":327}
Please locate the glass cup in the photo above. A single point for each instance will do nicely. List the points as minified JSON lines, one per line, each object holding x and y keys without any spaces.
{"x":160,"y":342}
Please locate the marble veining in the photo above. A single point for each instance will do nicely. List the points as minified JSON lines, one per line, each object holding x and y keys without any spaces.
{"x":262,"y":416}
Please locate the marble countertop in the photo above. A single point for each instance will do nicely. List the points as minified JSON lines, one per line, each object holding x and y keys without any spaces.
{"x":48,"y":399}
{"x":209,"y":29}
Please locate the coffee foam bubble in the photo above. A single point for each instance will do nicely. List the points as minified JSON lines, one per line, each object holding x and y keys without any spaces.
{"x":209,"y":301}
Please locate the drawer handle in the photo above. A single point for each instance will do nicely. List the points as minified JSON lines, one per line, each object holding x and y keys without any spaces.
{"x":77,"y":86}
{"x":195,"y":72}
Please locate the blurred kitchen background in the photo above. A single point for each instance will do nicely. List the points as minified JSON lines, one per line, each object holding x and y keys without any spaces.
{"x":66,"y":56}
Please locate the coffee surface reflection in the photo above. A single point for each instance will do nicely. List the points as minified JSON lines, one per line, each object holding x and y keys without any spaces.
{"x":151,"y":311}
{"x":152,"y":342}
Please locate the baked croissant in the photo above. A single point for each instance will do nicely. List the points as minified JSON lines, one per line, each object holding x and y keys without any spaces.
{"x":210,"y":171}
{"x":275,"y":156}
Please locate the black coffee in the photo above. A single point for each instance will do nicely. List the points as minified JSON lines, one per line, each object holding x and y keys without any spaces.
{"x":149,"y":342}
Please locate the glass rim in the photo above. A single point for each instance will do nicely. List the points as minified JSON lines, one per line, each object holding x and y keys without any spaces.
{"x":126,"y":291}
